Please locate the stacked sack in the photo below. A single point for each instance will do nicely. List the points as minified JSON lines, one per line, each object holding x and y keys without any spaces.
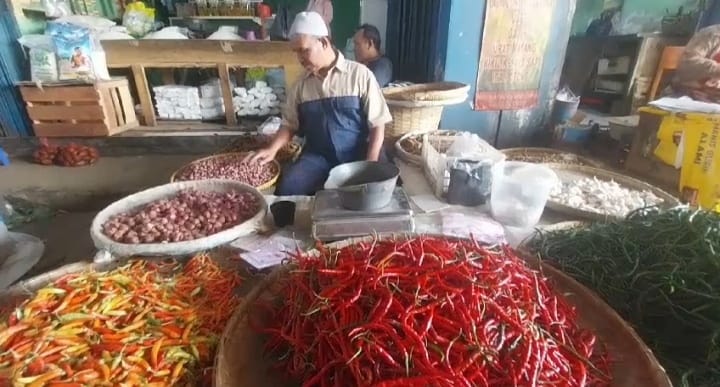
{"x":212,"y":106}
{"x":260,"y":100}
{"x":177,"y":102}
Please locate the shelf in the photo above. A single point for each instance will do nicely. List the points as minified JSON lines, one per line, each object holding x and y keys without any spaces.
{"x":257,"y":20}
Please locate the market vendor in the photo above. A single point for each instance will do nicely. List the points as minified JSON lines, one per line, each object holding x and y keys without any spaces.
{"x":367,"y":44}
{"x":336,"y":105}
{"x":698,"y":73}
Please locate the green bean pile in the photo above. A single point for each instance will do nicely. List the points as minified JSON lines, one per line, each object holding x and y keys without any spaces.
{"x":661,"y":271}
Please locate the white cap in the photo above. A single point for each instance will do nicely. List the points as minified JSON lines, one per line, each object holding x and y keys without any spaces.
{"x":309,"y":23}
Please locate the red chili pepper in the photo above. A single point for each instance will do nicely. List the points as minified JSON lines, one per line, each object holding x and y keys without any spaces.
{"x":428,"y":312}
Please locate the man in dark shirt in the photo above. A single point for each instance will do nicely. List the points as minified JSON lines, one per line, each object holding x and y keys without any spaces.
{"x":367,"y":51}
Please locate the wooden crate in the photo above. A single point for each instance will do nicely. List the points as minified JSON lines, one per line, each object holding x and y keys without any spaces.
{"x":71,"y":109}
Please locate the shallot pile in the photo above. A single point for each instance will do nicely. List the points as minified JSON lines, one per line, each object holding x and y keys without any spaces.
{"x":230,"y":167}
{"x":187,"y":216}
{"x":72,"y":155}
{"x":427,"y":311}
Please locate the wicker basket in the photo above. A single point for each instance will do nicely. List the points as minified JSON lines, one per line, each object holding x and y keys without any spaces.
{"x":573,"y":172}
{"x":416,"y":158}
{"x":239,"y":361}
{"x":548,"y":156}
{"x":420,"y":107}
{"x":267,"y":185}
{"x":252,"y":142}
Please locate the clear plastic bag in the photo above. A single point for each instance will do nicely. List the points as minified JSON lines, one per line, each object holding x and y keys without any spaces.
{"x":139,"y":19}
{"x":56,"y":8}
{"x":470,"y":146}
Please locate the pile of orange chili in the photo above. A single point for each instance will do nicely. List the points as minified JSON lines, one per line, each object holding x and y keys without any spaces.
{"x":141,"y":324}
{"x":428,"y":312}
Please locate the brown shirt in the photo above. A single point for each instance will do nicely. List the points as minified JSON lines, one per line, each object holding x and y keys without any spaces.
{"x":699,"y":61}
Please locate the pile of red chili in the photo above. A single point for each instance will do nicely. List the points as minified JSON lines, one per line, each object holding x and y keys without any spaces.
{"x":428,"y":312}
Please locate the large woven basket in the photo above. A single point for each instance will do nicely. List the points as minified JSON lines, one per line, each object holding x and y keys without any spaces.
{"x":414,"y":157}
{"x":548,"y":156}
{"x":239,"y":361}
{"x":420,"y":107}
{"x":252,"y":142}
{"x":573,"y":172}
{"x":265,"y":186}
{"x":140,"y":199}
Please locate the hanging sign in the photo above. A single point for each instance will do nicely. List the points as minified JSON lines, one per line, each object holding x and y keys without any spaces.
{"x":514,"y":41}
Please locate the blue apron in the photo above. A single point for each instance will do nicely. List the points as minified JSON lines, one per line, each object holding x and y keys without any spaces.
{"x":335,"y":132}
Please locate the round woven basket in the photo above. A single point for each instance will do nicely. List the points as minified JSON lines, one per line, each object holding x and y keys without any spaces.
{"x":251,"y":142}
{"x":420,"y":107}
{"x":267,"y":185}
{"x":415,"y":158}
{"x":574,"y":172}
{"x":548,"y":156}
{"x":436,"y":91}
{"x":239,"y":361}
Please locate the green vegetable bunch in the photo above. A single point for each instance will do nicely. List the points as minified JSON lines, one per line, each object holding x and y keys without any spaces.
{"x":660,"y":269}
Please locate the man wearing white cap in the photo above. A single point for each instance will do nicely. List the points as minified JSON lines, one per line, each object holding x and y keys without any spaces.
{"x":336,"y":105}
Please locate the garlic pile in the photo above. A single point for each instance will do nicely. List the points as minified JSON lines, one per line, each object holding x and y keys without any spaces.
{"x":603,"y":197}
{"x":260,"y":100}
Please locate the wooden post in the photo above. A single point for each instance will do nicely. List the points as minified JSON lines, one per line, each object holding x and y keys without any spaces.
{"x":143,"y":91}
{"x":224,"y":74}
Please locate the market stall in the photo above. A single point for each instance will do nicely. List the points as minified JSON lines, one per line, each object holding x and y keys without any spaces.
{"x":172,"y":223}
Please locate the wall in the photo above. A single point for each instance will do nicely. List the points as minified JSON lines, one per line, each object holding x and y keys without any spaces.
{"x":375,"y":12}
{"x":463,"y":53}
{"x":636,"y":15}
{"x":346,"y":17}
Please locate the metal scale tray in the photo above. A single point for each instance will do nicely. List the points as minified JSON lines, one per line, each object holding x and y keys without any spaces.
{"x":331,"y":222}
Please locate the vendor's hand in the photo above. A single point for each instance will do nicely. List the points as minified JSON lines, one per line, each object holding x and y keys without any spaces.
{"x":262,"y":156}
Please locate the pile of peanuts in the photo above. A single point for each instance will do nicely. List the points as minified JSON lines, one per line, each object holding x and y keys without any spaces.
{"x":72,"y":155}
{"x":189,"y":215}
{"x":230,"y":168}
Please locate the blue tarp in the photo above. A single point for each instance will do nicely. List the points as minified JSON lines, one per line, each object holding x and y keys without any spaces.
{"x":13,"y":119}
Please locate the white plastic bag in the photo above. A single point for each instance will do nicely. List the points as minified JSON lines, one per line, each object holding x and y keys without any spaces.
{"x":18,"y":252}
{"x":56,"y":8}
{"x":43,"y":63}
{"x":471,"y":147}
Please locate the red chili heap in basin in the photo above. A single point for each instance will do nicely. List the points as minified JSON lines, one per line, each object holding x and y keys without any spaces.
{"x":187,"y":216}
{"x":231,"y":168}
{"x":428,"y":312}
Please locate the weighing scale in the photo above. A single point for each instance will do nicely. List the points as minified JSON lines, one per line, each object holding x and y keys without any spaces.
{"x":332,"y":222}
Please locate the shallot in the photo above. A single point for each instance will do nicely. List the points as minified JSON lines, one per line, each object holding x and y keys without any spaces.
{"x":189,"y":215}
{"x":231,"y":167}
{"x":603,"y":197}
{"x":72,"y":155}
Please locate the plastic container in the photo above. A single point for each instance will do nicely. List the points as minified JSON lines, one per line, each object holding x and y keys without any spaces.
{"x":519,"y":193}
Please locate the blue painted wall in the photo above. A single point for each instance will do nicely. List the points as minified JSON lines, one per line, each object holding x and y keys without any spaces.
{"x":463,"y":53}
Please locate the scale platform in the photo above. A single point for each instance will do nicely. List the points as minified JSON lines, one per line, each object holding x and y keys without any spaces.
{"x":331,"y":222}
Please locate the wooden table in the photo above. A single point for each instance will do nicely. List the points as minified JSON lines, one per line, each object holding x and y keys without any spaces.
{"x":139,"y":55}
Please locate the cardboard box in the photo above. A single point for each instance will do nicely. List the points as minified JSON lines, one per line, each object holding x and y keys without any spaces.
{"x":641,"y":159}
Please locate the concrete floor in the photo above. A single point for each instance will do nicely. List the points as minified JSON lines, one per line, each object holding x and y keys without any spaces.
{"x":80,"y":193}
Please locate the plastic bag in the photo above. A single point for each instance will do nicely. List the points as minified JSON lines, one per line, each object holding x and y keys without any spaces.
{"x":471,"y":147}
{"x":43,"y":64}
{"x":470,"y":182}
{"x":93,"y":23}
{"x":139,"y":19}
{"x":79,"y":54}
{"x":566,"y":95}
{"x":56,"y":8}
